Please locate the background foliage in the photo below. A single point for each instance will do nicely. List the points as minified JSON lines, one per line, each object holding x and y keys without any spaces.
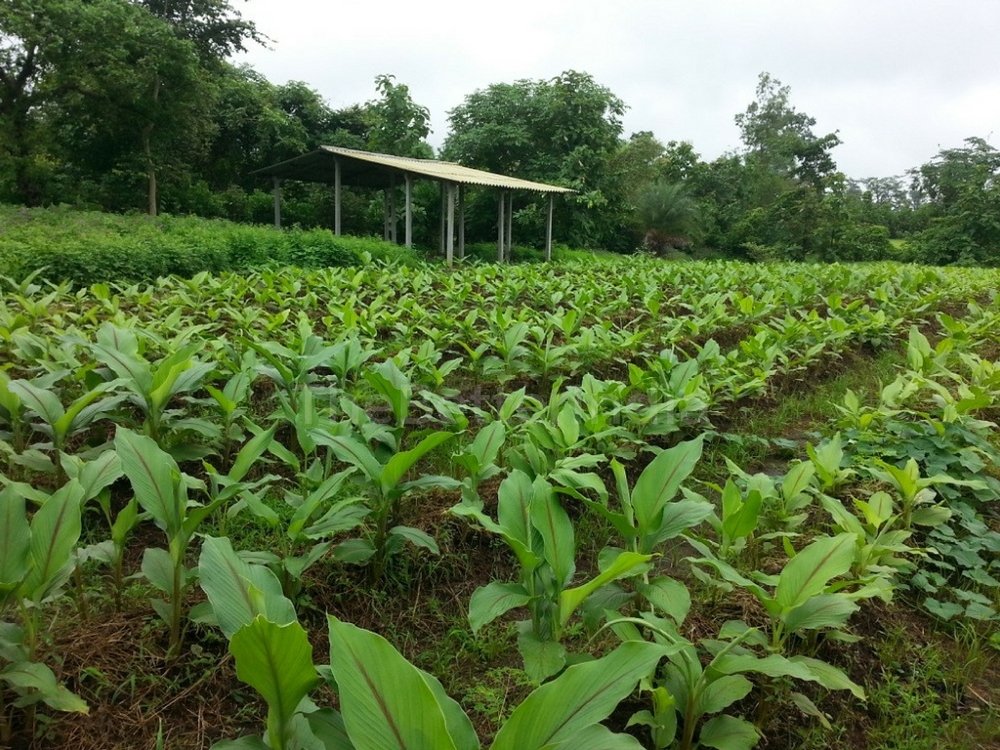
{"x":135,"y":105}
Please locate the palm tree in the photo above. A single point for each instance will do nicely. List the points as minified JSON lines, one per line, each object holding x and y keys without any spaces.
{"x":668,"y":215}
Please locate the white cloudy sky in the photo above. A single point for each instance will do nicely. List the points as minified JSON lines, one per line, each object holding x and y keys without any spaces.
{"x":898,"y":78}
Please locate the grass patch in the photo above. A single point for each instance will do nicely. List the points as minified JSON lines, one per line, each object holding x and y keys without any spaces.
{"x":806,"y":409}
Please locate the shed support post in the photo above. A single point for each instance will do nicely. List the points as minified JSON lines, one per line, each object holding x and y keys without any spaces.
{"x":336,"y":197}
{"x":450,"y":247}
{"x":461,"y":222}
{"x":277,"y":203}
{"x":510,"y":226}
{"x":501,"y":243}
{"x":409,"y":210}
{"x":385,"y":215}
{"x":393,"y":220}
{"x":548,"y":231}
{"x":441,"y":239}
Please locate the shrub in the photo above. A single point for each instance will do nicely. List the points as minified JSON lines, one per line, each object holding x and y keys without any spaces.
{"x":88,"y":246}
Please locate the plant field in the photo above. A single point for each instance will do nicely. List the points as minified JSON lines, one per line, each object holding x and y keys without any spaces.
{"x":614,"y":504}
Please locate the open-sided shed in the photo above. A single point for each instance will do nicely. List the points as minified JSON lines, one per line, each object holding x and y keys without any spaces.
{"x":346,"y":166}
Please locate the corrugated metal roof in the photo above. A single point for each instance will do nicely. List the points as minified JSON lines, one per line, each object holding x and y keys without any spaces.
{"x":377,"y":170}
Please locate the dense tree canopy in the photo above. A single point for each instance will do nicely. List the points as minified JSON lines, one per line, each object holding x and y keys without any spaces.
{"x":136,"y":105}
{"x":564,"y":130}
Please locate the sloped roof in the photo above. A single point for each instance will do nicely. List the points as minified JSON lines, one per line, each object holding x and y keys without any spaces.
{"x":368,"y":169}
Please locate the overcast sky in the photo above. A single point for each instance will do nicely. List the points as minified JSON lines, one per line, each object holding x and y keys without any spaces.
{"x":898,"y":79}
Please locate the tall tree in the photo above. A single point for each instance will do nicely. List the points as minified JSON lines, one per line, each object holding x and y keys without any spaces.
{"x":43,"y":43}
{"x":564,"y":130}
{"x":779,"y":139}
{"x":143,"y":104}
{"x":960,"y":188}
{"x":398,"y":124}
{"x":788,"y":174}
{"x":217,"y":30}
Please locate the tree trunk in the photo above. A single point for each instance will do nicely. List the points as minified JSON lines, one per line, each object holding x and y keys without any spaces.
{"x":147,"y":151}
{"x":21,"y":152}
{"x":150,"y":168}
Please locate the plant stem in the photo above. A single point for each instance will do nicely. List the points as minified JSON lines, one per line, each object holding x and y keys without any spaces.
{"x":176,"y":606}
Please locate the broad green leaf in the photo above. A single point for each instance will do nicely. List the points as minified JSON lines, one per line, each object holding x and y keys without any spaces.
{"x":350,"y":451}
{"x":678,"y":516}
{"x":944,"y":610}
{"x":314,"y":500}
{"x":83,"y":411}
{"x":488,"y":442}
{"x":328,"y":726}
{"x":773,"y":665}
{"x":342,"y":516}
{"x":743,"y":522}
{"x":494,"y":599}
{"x":397,"y":466}
{"x":542,"y":658}
{"x":275,"y":660}
{"x":134,"y":372}
{"x":460,"y":728}
{"x":36,"y":682}
{"x":842,"y":517}
{"x":931,"y":516}
{"x":661,"y":480}
{"x":568,"y":426}
{"x":669,"y":596}
{"x":354,"y":551}
{"x":556,"y":530}
{"x":55,"y":530}
{"x":158,"y":568}
{"x":43,"y":402}
{"x":809,"y":572}
{"x":572,"y":598}
{"x":416,"y":537}
{"x":878,"y":509}
{"x":599,"y":737}
{"x":251,"y":452}
{"x":394,"y":386}
{"x":238,"y":591}
{"x":151,"y":472}
{"x":829,"y":676}
{"x":15,"y":540}
{"x":797,"y":480}
{"x":728,"y":733}
{"x":386,"y":702}
{"x":581,"y":697}
{"x":806,"y":706}
{"x":721,"y":693}
{"x":822,"y":611}
{"x":100,"y":473}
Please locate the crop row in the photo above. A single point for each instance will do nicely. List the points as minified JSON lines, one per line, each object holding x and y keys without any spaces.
{"x":320,"y":440}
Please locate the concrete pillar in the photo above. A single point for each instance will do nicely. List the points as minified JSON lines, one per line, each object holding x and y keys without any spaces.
{"x":336,"y":197}
{"x":450,"y":245}
{"x":548,"y":230}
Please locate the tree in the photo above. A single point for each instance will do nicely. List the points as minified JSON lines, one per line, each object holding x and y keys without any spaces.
{"x":960,"y":188}
{"x":779,"y":139}
{"x":217,"y":30}
{"x":668,"y":214}
{"x":790,"y":185}
{"x":565,"y":131}
{"x":42,"y":45}
{"x":398,"y":125}
{"x":142,"y":105}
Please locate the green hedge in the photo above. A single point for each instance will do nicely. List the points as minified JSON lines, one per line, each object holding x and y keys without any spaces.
{"x":88,"y":246}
